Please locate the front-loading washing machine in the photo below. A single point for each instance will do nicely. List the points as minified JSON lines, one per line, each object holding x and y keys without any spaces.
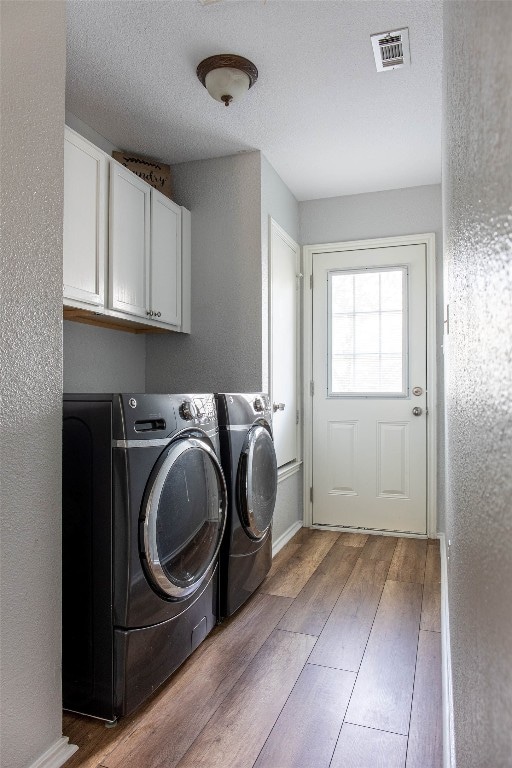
{"x":144,"y":510}
{"x":250,"y":468}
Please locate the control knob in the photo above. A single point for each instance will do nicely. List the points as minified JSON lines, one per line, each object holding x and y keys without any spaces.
{"x":188,"y":410}
{"x":258,"y":404}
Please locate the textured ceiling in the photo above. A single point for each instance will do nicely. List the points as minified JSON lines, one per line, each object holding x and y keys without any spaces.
{"x":324,"y":118}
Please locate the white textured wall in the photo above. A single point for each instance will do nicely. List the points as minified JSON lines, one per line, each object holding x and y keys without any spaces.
{"x":478,"y":252}
{"x":103,"y":360}
{"x":33,"y":50}
{"x":224,"y":351}
{"x":277,"y":201}
{"x":410,"y":211}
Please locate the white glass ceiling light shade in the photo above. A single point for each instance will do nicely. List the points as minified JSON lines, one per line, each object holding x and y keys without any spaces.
{"x":226,"y":84}
{"x":227,"y":77}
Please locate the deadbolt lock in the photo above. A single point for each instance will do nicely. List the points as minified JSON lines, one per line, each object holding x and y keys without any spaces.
{"x":417,"y":391}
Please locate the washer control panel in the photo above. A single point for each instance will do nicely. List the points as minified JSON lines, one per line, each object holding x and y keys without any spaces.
{"x":198,"y":410}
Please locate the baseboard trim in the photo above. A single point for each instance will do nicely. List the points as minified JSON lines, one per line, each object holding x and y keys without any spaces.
{"x":285,"y":537}
{"x":56,"y":755}
{"x":446,"y":660}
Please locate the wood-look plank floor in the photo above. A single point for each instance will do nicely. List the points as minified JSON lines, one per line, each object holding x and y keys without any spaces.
{"x":335,"y":661}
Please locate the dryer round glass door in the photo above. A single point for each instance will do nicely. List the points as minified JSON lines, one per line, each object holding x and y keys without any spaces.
{"x":184,"y":515}
{"x":257,"y":482}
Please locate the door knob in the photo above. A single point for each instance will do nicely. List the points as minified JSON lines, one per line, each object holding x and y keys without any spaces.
{"x":278,"y":407}
{"x":417,"y":411}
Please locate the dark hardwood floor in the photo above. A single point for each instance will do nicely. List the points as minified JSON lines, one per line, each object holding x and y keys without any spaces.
{"x":334,"y":663}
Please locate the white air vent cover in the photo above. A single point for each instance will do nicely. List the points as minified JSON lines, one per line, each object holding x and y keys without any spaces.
{"x":391,"y":49}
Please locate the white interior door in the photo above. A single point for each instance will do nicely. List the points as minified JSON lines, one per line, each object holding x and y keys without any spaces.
{"x":369,"y":402}
{"x":284,"y":268}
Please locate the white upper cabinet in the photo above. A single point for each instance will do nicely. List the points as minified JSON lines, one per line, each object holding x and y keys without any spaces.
{"x":85,"y":207}
{"x":165,"y":262}
{"x":129,"y":242}
{"x":141,"y":235}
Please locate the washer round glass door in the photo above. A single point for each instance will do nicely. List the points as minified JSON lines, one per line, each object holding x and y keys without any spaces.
{"x":184,"y":517}
{"x":257,"y":482}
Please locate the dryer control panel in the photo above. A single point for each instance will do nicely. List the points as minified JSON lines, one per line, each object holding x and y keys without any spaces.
{"x":236,"y":409}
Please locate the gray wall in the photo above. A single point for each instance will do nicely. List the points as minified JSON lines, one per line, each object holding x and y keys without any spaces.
{"x":278,"y":202}
{"x":412,"y":211}
{"x":224,"y":351}
{"x":103,"y":360}
{"x":375,"y":214}
{"x":478,"y":252}
{"x":33,"y":46}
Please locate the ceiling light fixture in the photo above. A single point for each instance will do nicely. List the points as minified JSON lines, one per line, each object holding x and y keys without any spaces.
{"x":227,"y":77}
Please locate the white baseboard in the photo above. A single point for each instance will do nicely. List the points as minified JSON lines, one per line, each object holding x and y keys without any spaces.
{"x":285,"y":537}
{"x":56,"y":755}
{"x":446,"y":660}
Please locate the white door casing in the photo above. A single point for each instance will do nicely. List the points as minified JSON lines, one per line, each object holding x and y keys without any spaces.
{"x":382,"y":436}
{"x":284,"y":337}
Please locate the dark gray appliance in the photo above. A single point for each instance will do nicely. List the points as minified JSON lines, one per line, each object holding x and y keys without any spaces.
{"x":144,"y":510}
{"x":250,"y":468}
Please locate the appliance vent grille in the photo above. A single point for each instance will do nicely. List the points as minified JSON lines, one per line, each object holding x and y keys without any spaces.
{"x":391,"y":49}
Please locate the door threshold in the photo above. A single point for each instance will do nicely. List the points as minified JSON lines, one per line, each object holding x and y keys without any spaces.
{"x":343,"y":529}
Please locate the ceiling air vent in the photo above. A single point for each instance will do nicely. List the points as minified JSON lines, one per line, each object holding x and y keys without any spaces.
{"x":391,"y":49}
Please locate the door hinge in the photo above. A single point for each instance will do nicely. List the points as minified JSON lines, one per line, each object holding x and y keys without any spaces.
{"x":311,"y":494}
{"x":312,"y":388}
{"x":311,"y":281}
{"x":297,"y":417}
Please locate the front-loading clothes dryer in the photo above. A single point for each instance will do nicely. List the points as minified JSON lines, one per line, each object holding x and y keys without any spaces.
{"x":144,"y":510}
{"x":250,"y":468}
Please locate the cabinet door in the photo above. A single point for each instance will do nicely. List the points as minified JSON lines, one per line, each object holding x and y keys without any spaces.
{"x":85,"y":233}
{"x":129,"y":241}
{"x":165,"y":265}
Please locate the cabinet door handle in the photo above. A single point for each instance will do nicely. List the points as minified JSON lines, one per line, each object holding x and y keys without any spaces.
{"x":148,"y":312}
{"x":158,"y":314}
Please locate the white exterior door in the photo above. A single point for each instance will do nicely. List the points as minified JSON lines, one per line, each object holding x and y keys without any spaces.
{"x":369,"y":402}
{"x":284,"y":268}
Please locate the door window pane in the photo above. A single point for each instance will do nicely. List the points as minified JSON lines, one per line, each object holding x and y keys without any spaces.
{"x":368,"y":332}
